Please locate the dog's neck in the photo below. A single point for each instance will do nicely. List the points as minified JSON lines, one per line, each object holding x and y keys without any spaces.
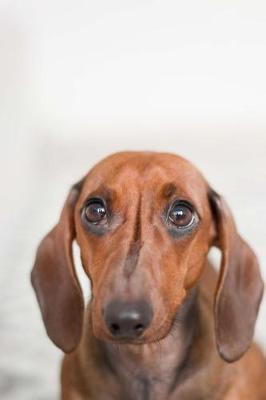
{"x":153,"y":371}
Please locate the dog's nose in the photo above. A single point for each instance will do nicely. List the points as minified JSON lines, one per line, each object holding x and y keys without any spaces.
{"x":127,"y":320}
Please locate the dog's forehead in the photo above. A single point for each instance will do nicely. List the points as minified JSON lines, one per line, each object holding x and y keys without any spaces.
{"x":146,"y":171}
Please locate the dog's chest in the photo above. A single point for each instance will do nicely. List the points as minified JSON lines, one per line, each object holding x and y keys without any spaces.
{"x":144,"y":387}
{"x":138,"y":379}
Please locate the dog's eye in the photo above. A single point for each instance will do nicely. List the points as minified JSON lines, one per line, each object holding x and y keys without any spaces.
{"x":181,"y":215}
{"x":95,"y":212}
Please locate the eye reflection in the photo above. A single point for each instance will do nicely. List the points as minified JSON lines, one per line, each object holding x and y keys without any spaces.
{"x":181,"y":215}
{"x":95,"y":212}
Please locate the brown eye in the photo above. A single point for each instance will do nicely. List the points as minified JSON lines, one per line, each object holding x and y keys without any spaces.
{"x":181,"y":215}
{"x":95,"y":212}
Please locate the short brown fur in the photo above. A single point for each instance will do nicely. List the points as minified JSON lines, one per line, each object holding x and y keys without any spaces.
{"x":198,"y":345}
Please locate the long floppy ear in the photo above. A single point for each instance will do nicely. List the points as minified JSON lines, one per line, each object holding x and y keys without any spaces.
{"x":55,"y":282}
{"x":240,"y":286}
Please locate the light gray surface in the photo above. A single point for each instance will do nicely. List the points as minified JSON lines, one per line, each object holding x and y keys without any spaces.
{"x":80,"y":80}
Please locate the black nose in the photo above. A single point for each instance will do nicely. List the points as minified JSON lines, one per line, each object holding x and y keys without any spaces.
{"x":127,"y":320}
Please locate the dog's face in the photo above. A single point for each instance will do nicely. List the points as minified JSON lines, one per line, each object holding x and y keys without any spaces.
{"x":144,"y":228}
{"x":144,"y":223}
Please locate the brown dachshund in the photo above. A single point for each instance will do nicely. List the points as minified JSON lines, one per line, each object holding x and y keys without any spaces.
{"x":161,"y":324}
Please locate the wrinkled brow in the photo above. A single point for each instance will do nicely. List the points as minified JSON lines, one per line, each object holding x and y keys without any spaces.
{"x":103,"y":192}
{"x":168,"y":190}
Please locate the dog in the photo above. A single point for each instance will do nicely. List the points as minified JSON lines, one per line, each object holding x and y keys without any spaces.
{"x":161,"y":324}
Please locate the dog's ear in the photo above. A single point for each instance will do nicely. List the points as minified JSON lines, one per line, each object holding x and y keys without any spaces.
{"x":55,"y":282}
{"x":240,"y":286}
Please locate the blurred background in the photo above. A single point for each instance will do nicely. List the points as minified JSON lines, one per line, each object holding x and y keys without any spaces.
{"x":79,"y":80}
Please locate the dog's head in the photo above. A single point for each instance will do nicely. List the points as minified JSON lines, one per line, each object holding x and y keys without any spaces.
{"x":144,"y":223}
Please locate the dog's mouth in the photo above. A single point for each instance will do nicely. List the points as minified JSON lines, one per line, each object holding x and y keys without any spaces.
{"x":155,"y":331}
{"x":154,"y":334}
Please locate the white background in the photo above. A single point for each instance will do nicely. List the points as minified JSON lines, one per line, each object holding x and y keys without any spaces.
{"x":81,"y":79}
